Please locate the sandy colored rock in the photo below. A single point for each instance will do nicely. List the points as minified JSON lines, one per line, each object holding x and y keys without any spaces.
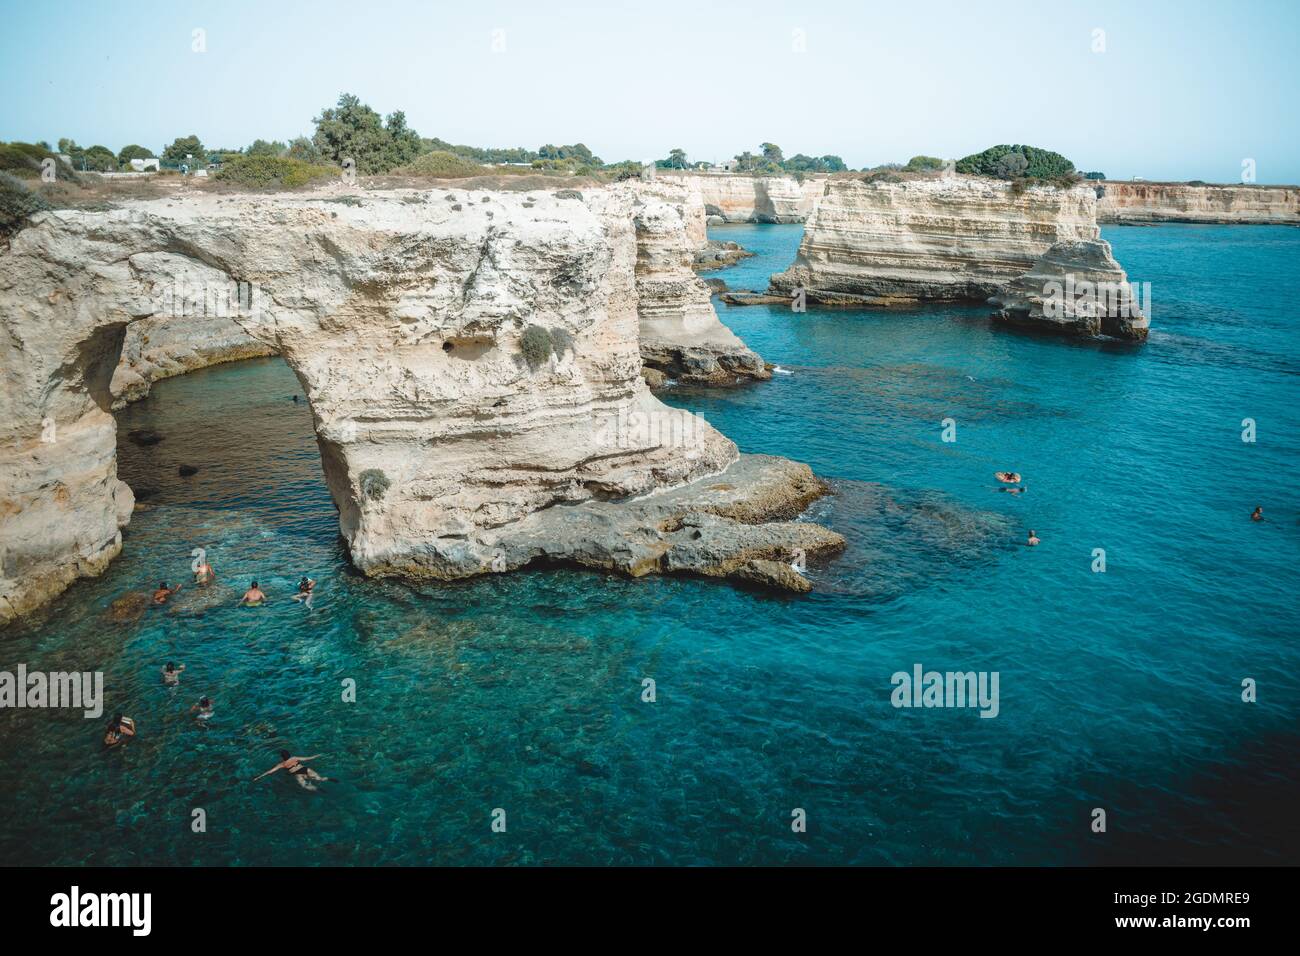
{"x":954,"y":238}
{"x":1120,"y":202}
{"x":1075,"y":288}
{"x":402,"y":315}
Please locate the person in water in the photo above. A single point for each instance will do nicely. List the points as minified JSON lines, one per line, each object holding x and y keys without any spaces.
{"x":253,"y":597}
{"x":1033,"y":538}
{"x":203,"y":574}
{"x":1015,"y":489}
{"x":164,"y":592}
{"x":298,"y":769}
{"x":119,"y":729}
{"x":204,"y":708}
{"x":305,"y":588}
{"x":1257,"y":514}
{"x":172,"y":674}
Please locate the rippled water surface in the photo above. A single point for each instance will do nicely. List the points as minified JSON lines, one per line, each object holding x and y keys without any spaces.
{"x":1119,"y":690}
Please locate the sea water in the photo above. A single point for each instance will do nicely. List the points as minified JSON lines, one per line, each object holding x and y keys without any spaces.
{"x":521,"y":697}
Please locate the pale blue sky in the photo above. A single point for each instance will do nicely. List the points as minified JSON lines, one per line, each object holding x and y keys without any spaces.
{"x":1184,"y":90}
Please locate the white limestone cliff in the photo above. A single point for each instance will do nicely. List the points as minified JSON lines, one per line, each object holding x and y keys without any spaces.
{"x":403,"y":315}
{"x":953,"y":238}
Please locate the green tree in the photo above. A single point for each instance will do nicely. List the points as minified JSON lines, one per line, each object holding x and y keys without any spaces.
{"x":1039,"y":163}
{"x":99,"y":159}
{"x":772,"y":153}
{"x":300,"y":147}
{"x":676,"y":160}
{"x":352,"y":130}
{"x":183,"y":146}
{"x":128,"y":153}
{"x":261,"y":147}
{"x":922,"y":163}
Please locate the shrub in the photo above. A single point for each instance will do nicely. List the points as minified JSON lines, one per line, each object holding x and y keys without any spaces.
{"x":562,"y":341}
{"x":1039,"y":163}
{"x":919,"y":164}
{"x":537,"y":345}
{"x":440,"y":164}
{"x":374,"y":483}
{"x":24,"y":161}
{"x":17,"y":203}
{"x":272,"y":172}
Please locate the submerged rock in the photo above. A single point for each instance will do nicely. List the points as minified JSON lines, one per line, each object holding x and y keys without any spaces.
{"x":719,"y":254}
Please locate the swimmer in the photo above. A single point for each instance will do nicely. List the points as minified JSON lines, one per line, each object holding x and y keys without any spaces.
{"x":204,"y":708}
{"x":305,"y":588}
{"x":1033,"y":538}
{"x":172,"y":674}
{"x":297,"y":769}
{"x":203,"y":573}
{"x":1257,"y":514}
{"x":119,"y":728}
{"x":253,"y":597}
{"x":164,"y":592}
{"x":1017,"y":490}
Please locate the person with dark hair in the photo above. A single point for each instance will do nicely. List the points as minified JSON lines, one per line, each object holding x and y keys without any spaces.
{"x":171,"y":674}
{"x":1258,"y":513}
{"x":204,"y":707}
{"x":1033,"y":538}
{"x":305,"y":588}
{"x":253,"y":597}
{"x":119,"y":729}
{"x":164,"y":592}
{"x":298,"y":769}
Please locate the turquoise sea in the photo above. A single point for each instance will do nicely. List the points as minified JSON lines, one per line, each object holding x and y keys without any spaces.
{"x":1119,"y":690}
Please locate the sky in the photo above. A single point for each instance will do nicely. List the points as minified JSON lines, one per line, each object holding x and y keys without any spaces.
{"x":1161,"y":90}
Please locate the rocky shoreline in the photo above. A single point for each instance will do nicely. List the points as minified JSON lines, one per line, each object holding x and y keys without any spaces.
{"x":473,"y":361}
{"x":1142,"y":202}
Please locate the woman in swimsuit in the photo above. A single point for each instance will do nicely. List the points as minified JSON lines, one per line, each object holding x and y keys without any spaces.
{"x":119,"y":728}
{"x":204,"y":574}
{"x":297,"y":769}
{"x":161,"y":595}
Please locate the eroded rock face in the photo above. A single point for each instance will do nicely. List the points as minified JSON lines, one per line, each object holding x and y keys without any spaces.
{"x":740,"y":198}
{"x":944,"y":239}
{"x":1178,"y":202}
{"x":402,"y":315}
{"x":161,"y":347}
{"x":1075,"y":288}
{"x":681,"y":335}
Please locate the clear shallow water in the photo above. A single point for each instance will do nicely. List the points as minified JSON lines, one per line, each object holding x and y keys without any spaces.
{"x":1118,"y":690}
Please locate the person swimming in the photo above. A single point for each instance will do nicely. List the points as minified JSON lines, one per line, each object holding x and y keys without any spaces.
{"x":305,"y":588}
{"x":1257,"y":514}
{"x":1033,"y":538}
{"x":161,"y":595}
{"x":253,"y":597}
{"x":1016,"y":490}
{"x":297,"y":769}
{"x":204,"y":708}
{"x":203,"y":573}
{"x":119,"y":729}
{"x":171,"y":674}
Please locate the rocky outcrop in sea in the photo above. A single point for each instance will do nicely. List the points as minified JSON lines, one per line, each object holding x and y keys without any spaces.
{"x":471,"y":359}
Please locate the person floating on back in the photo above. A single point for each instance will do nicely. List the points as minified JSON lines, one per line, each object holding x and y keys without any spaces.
{"x":253,"y":597}
{"x":119,"y":729}
{"x":164,"y":592}
{"x":171,"y":674}
{"x":298,"y":769}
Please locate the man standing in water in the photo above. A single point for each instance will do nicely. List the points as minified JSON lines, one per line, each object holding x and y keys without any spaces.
{"x":253,"y":597}
{"x":203,"y":573}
